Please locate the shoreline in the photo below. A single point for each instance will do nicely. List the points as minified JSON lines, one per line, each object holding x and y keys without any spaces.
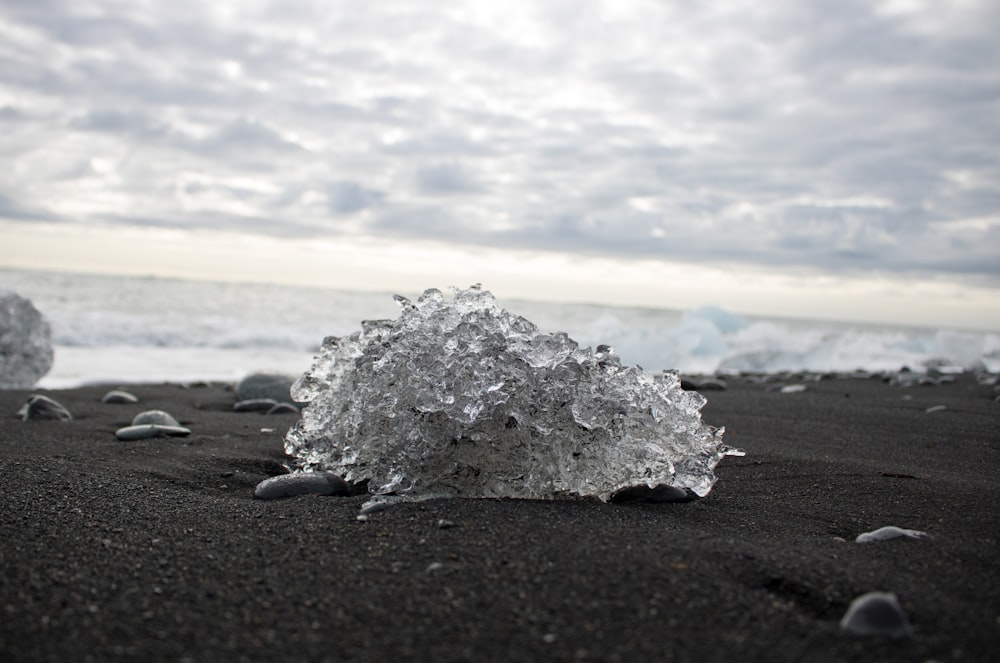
{"x":156,"y":549}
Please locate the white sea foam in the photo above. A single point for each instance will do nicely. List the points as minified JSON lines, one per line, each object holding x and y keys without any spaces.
{"x":131,"y":329}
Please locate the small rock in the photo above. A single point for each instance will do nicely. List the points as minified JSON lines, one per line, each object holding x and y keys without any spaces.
{"x":116,"y":396}
{"x":146,"y":431}
{"x":445,"y":524}
{"x":890,"y":532}
{"x":43,"y":407}
{"x":155,"y":417}
{"x":301,"y":483}
{"x":374,"y":506}
{"x":793,"y":389}
{"x":935,"y":408}
{"x":876,"y":613}
{"x":434,"y":567}
{"x":283,"y":408}
{"x":254,"y":405}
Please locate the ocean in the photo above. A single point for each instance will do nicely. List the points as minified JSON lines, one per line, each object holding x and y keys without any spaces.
{"x":128,"y":329}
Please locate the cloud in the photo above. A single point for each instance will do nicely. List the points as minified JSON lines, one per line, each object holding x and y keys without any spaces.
{"x":855,"y":137}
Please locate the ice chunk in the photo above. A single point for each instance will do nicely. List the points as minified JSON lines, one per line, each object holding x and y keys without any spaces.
{"x":459,"y":396}
{"x":25,"y":342}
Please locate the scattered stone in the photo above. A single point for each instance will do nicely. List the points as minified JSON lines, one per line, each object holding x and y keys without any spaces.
{"x":301,"y":483}
{"x":25,"y":342}
{"x":890,"y":532}
{"x":660,"y":494}
{"x":793,"y":389}
{"x":876,"y":613}
{"x":117,"y":397}
{"x":434,"y":567}
{"x":445,"y":524}
{"x":255,"y":405}
{"x":283,"y":408}
{"x":155,"y":417}
{"x":265,"y":385}
{"x":145,"y":431}
{"x":43,"y":407}
{"x":935,"y":408}
{"x":374,"y":506}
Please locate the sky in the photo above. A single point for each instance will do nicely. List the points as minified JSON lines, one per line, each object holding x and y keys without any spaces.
{"x":811,"y":159}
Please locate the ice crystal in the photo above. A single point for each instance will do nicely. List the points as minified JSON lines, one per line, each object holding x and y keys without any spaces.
{"x":25,"y":342}
{"x":458,"y":396}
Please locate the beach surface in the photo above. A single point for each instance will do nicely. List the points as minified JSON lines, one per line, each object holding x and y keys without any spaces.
{"x":157,"y":549}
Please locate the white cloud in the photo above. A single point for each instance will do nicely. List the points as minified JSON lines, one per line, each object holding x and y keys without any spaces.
{"x":854,"y":138}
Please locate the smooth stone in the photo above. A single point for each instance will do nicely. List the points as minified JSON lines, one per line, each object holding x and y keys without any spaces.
{"x":876,"y":613}
{"x":301,"y":483}
{"x":145,"y":431}
{"x":889,"y":532}
{"x":119,"y":397}
{"x":936,"y":408}
{"x":156,"y":417}
{"x":265,"y":385}
{"x":254,"y":405}
{"x":793,"y":389}
{"x":660,"y":494}
{"x":283,"y":408}
{"x":43,"y":407}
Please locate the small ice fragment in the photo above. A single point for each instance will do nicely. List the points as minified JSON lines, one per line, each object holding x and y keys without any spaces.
{"x":43,"y":407}
{"x":890,"y":532}
{"x":301,"y":483}
{"x":25,"y":342}
{"x":254,"y":405}
{"x":145,"y":431}
{"x":876,"y":613}
{"x":459,"y":396}
{"x":156,"y":417}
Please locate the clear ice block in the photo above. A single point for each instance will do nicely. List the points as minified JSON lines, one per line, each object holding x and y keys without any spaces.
{"x":458,"y":396}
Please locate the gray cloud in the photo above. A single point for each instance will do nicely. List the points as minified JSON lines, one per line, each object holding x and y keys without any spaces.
{"x":836,"y":138}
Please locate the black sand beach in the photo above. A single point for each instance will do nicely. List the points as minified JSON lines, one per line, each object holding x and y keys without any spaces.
{"x":157,"y":550}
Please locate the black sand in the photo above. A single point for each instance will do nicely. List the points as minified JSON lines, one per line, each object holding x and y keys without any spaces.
{"x":156,"y":550}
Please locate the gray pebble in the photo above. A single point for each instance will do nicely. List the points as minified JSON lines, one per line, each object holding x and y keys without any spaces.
{"x":936,"y":408}
{"x":116,"y":396}
{"x":890,"y":532}
{"x":283,"y":408}
{"x":301,"y":483}
{"x":876,"y":613}
{"x":145,"y":431}
{"x":254,"y":405}
{"x":265,"y":385}
{"x":43,"y":407}
{"x":445,"y":524}
{"x":793,"y":389}
{"x":157,"y":417}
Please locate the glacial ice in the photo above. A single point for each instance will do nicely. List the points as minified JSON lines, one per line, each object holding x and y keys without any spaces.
{"x":25,"y":342}
{"x":460,"y":397}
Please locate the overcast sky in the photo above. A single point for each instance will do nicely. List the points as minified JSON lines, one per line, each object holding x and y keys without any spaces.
{"x":844,"y":142}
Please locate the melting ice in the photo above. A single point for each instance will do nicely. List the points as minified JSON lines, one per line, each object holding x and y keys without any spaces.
{"x":458,"y":396}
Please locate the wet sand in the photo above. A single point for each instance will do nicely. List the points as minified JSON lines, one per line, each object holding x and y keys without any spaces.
{"x":157,"y":550}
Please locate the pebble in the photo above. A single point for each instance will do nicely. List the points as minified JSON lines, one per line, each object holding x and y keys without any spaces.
{"x":876,"y":613}
{"x":254,"y":405}
{"x":935,"y":408}
{"x":793,"y":389}
{"x":156,"y":417}
{"x":283,"y":408}
{"x":301,"y":483}
{"x":145,"y":431}
{"x":116,"y":396}
{"x":890,"y":532}
{"x":43,"y":407}
{"x":708,"y":384}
